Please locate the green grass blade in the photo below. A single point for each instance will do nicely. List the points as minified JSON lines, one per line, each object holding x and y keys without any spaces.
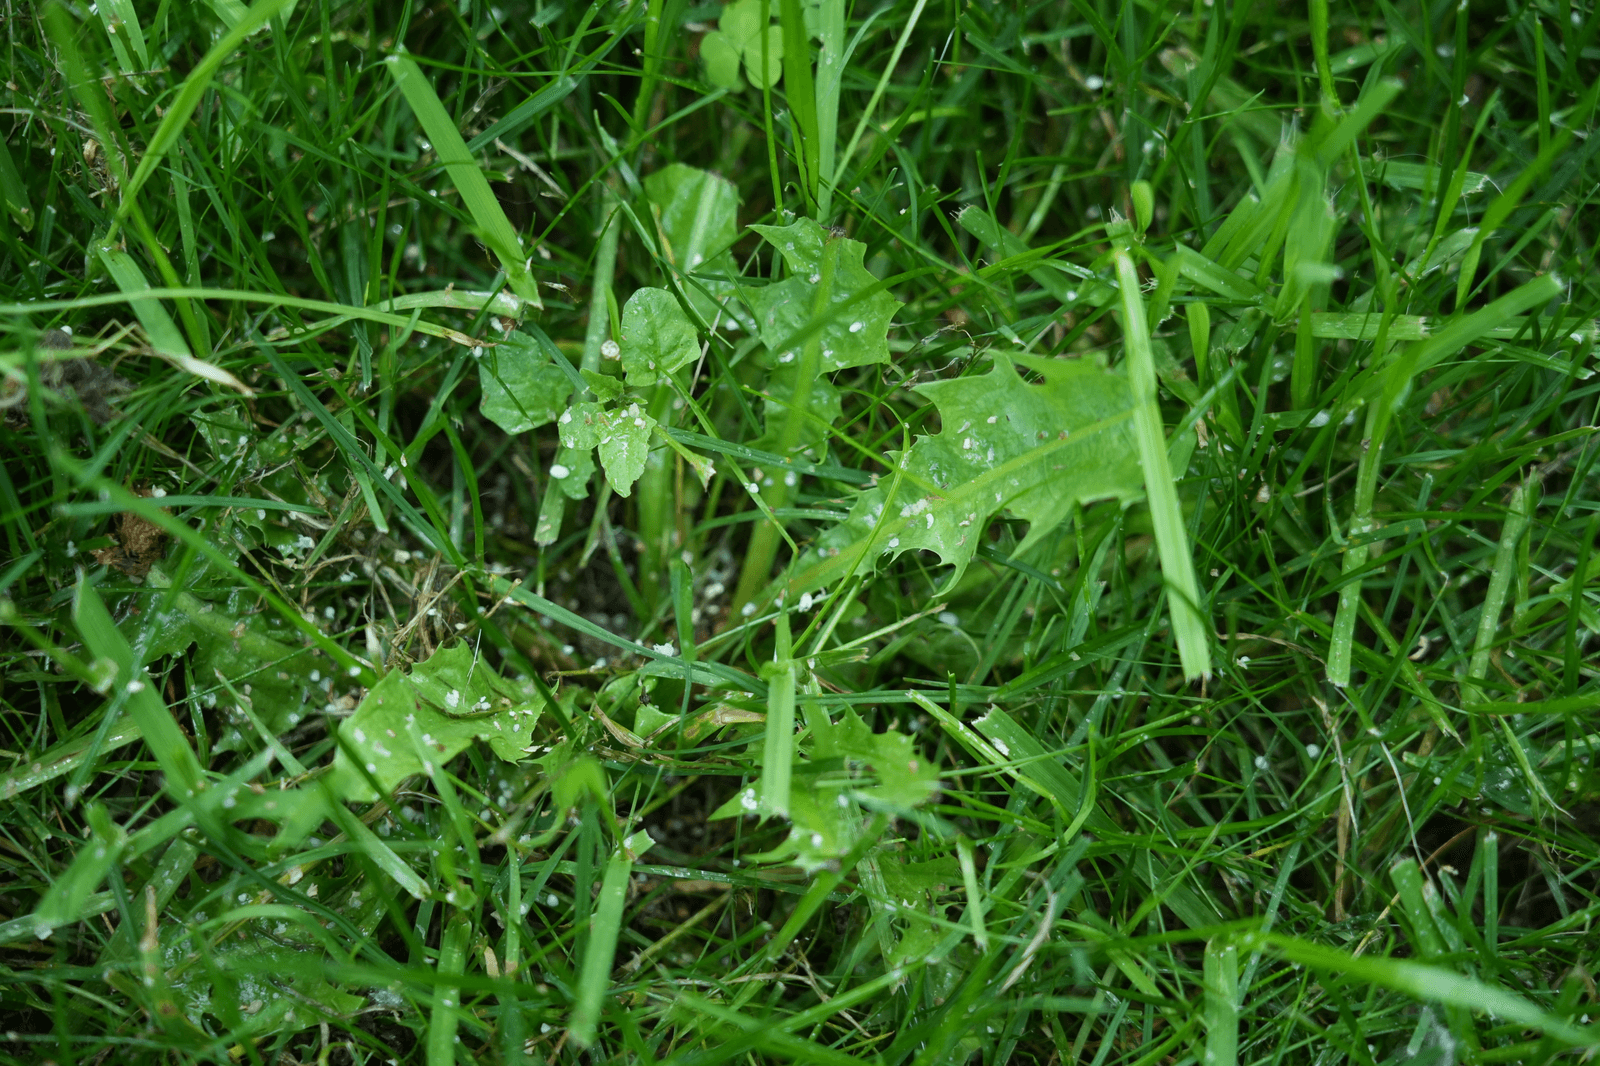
{"x":189,"y":96}
{"x":1172,"y":541}
{"x":446,"y":1018}
{"x":340,"y":313}
{"x":166,"y":340}
{"x":122,"y":24}
{"x":599,"y":953}
{"x":1395,"y":387}
{"x":132,"y":689}
{"x":13,"y":189}
{"x":1221,"y":1003}
{"x":1204,"y":272}
{"x":1463,"y":331}
{"x":66,"y":757}
{"x":777,"y":753}
{"x":877,"y":93}
{"x":1409,"y":886}
{"x":831,"y":62}
{"x":1374,"y":100}
{"x":1519,"y":514}
{"x":70,"y":891}
{"x":165,"y":337}
{"x":381,"y":855}
{"x":801,"y":90}
{"x":520,"y":117}
{"x":1434,"y":984}
{"x":467,"y":176}
{"x":1501,"y":208}
{"x":171,"y":873}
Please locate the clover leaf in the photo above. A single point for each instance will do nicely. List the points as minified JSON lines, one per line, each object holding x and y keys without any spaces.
{"x":740,"y":35}
{"x":721,"y":58}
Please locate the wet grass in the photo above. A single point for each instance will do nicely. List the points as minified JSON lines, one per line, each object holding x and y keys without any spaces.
{"x":1285,"y":754}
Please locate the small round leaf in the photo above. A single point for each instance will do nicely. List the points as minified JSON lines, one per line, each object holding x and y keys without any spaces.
{"x":721,"y":59}
{"x":740,"y":21}
{"x":765,"y":77}
{"x":657,"y":337}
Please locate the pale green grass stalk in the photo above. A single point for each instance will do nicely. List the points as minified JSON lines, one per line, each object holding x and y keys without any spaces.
{"x":831,"y":61}
{"x":600,"y":950}
{"x":446,"y":1020}
{"x":777,"y":753}
{"x":1519,"y":514}
{"x":1221,"y":1003}
{"x":1172,"y":542}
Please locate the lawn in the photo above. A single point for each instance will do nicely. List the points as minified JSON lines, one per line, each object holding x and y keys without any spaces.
{"x":945,"y":531}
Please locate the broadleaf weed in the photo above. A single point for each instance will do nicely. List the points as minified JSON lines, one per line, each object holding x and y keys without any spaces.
{"x":780,"y":531}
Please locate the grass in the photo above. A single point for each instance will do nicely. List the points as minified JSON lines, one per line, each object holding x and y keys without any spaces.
{"x":353,"y":712}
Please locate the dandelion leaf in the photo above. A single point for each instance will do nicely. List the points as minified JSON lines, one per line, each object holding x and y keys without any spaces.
{"x":853,"y":772}
{"x":1032,"y":450}
{"x":828,"y":283}
{"x":410,"y":725}
{"x":824,"y":406}
{"x":914,"y":882}
{"x":455,"y":681}
{"x":904,"y":779}
{"x":698,"y":215}
{"x":572,"y":469}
